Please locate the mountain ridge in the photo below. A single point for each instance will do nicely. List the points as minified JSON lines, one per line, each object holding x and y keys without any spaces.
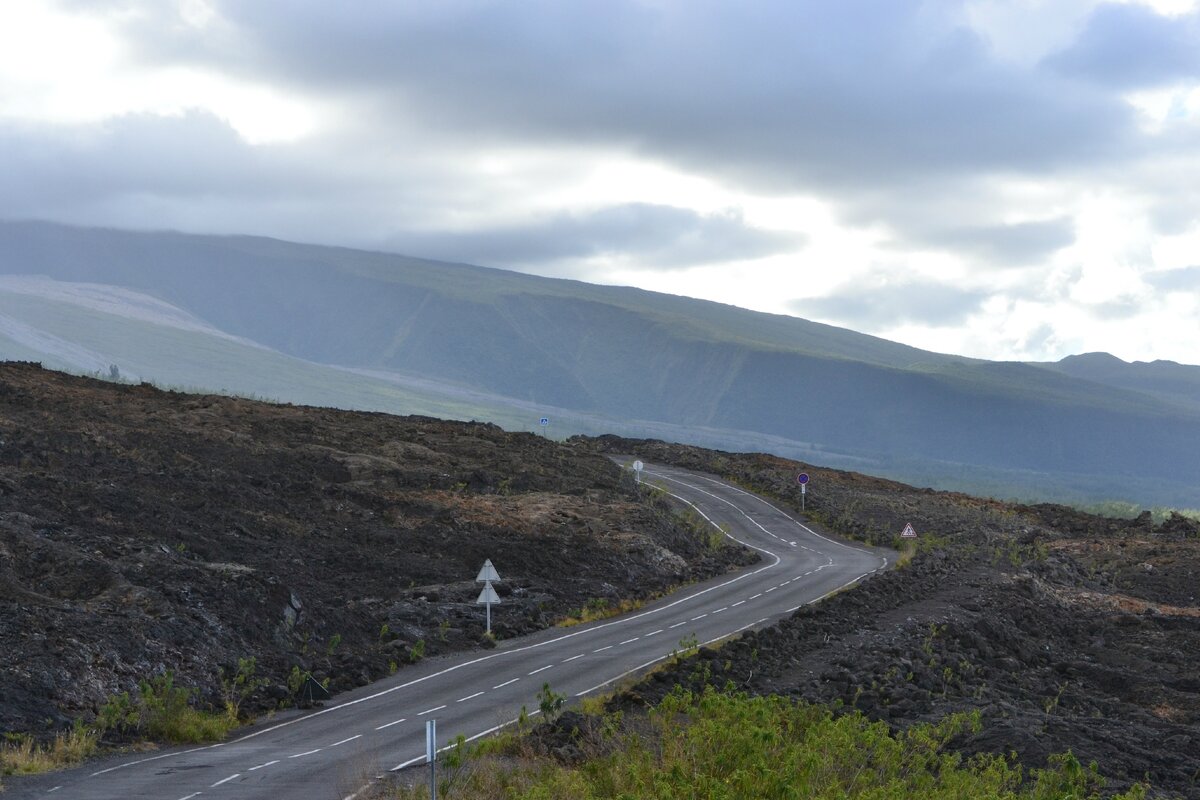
{"x":630,"y":357}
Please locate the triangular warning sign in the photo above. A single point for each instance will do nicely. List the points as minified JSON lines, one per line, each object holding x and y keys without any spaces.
{"x":488,"y":595}
{"x":908,"y":533}
{"x":487,"y":573}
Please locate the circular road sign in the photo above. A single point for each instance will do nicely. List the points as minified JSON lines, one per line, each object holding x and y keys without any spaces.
{"x":637,"y":465}
{"x":802,"y":478}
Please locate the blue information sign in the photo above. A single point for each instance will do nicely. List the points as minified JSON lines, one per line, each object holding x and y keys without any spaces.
{"x":802,"y":478}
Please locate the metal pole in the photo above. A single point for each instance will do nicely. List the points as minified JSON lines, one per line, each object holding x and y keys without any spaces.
{"x":431,"y":753}
{"x":803,"y":491}
{"x":489,"y":614}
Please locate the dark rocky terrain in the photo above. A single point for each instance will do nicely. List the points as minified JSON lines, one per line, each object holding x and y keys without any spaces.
{"x":1064,"y":630}
{"x":143,"y":531}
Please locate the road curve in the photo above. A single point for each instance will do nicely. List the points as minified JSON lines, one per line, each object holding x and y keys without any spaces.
{"x":332,"y":752}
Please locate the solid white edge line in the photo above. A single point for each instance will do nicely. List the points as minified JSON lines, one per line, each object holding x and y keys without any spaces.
{"x":481,"y":734}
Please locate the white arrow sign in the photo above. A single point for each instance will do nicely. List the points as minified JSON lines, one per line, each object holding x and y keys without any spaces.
{"x":488,"y":595}
{"x":487,"y":573}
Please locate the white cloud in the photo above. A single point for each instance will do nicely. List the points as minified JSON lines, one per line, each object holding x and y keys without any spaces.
{"x":1019,"y":160}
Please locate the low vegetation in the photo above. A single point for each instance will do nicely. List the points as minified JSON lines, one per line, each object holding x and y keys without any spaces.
{"x":158,"y":711}
{"x":723,"y":745}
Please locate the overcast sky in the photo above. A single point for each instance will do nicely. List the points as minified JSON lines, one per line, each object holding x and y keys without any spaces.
{"x":1000,"y":179}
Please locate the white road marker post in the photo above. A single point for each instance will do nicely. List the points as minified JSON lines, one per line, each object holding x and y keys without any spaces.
{"x":486,"y":575}
{"x":431,"y":755}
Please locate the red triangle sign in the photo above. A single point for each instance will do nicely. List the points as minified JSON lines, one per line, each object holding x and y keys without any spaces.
{"x":908,"y":533}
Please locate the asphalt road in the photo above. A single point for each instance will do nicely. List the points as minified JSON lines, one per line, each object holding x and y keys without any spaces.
{"x":330,"y":753}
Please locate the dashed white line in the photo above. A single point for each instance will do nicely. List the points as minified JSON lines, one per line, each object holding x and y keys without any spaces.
{"x":602,"y":649}
{"x":738,"y":603}
{"x":699,"y":616}
{"x":352,"y":738}
{"x":190,"y":796}
{"x":653,"y":633}
{"x":677,"y":624}
{"x":719,"y":610}
{"x":468,"y":697}
{"x":506,"y":683}
{"x":629,"y":641}
{"x":390,"y":724}
{"x":756,"y":596}
{"x":55,"y":789}
{"x":572,"y":658}
{"x":226,"y":780}
{"x":430,"y":710}
{"x":541,"y":669}
{"x":773,"y":588}
{"x":306,"y":753}
{"x":261,"y":766}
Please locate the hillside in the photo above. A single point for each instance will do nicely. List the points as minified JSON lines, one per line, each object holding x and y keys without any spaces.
{"x":508,"y":347}
{"x":144,"y":531}
{"x":1062,"y":630}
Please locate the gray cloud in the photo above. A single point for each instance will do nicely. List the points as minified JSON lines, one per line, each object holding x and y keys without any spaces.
{"x":1175,"y":280}
{"x":881,"y":307}
{"x":1021,"y":244}
{"x":1129,"y":46}
{"x":653,"y":236}
{"x":779,"y":95}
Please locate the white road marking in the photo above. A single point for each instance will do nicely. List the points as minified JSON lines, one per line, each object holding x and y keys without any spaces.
{"x":629,"y":641}
{"x":653,"y":633}
{"x":468,"y":697}
{"x":506,"y":683}
{"x":622,"y":675}
{"x":677,"y":624}
{"x":572,"y":658}
{"x":190,"y":796}
{"x":260,"y":766}
{"x":738,"y":603}
{"x":390,"y":724}
{"x":541,"y":669}
{"x":768,"y":591}
{"x":226,"y":780}
{"x":756,"y":596}
{"x":352,"y":738}
{"x":601,"y":649}
{"x":55,"y":789}
{"x":719,"y":610}
{"x":306,"y":753}
{"x":430,"y":710}
{"x":479,"y":735}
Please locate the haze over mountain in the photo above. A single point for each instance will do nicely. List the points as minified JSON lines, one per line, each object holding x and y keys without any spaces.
{"x":360,"y":329}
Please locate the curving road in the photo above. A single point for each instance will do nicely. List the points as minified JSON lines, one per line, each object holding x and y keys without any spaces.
{"x":331,"y":753}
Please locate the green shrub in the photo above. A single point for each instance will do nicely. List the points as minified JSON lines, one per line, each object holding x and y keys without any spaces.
{"x":163,"y":711}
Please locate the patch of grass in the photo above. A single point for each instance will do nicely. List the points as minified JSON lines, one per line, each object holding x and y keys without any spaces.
{"x":162,"y":711}
{"x":724,"y":746}
{"x":21,"y":755}
{"x":599,"y":608}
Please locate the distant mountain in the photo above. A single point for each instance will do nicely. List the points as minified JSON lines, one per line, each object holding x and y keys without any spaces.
{"x":1164,"y":379}
{"x":507,"y":346}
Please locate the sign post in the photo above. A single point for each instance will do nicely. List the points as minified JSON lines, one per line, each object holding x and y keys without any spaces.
{"x":637,"y":471}
{"x":802,"y":479}
{"x":544,"y":421}
{"x":431,"y":755}
{"x":486,"y":575}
